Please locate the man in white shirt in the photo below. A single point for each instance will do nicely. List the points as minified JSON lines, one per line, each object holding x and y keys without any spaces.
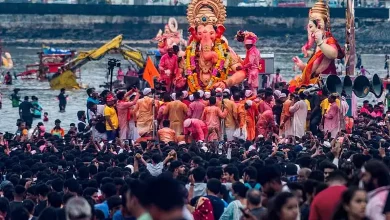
{"x":339,"y":67}
{"x":276,"y":79}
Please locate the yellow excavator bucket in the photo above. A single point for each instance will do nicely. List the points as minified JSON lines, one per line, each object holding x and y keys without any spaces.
{"x":66,"y":80}
{"x":134,"y":56}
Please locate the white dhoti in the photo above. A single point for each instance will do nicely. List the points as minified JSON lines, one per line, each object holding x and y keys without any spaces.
{"x":230,"y":133}
{"x":97,"y":136}
{"x":133,"y":131}
{"x":237,"y":133}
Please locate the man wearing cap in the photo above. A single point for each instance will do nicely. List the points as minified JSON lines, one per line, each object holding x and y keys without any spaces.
{"x":168,"y":67}
{"x":251,"y":117}
{"x":249,"y":95}
{"x":177,"y":113}
{"x":144,"y":112}
{"x":240,"y":118}
{"x":219,"y":95}
{"x":112,"y":122}
{"x":230,"y":122}
{"x":186,"y":99}
{"x":252,"y":62}
{"x":195,"y":128}
{"x":196,"y":108}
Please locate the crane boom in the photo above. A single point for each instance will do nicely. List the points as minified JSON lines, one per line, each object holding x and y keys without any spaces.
{"x":67,"y":79}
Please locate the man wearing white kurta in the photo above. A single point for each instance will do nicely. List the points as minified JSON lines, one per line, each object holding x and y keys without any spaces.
{"x":299,"y":111}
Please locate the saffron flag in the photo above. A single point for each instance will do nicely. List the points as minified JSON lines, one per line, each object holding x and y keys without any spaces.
{"x":150,"y":72}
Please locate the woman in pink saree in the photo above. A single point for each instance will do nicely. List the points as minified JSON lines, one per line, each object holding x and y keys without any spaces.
{"x":266,"y":123}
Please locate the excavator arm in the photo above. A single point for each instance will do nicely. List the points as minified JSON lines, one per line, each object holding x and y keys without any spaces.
{"x":132,"y":54}
{"x":97,"y":54}
{"x":67,"y":79}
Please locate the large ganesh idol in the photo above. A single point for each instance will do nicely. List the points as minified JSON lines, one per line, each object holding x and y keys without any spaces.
{"x":171,"y":36}
{"x":208,"y":58}
{"x":322,"y":60}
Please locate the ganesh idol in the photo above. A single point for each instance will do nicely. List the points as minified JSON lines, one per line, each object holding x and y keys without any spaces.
{"x":208,"y":59}
{"x":326,"y":48}
{"x":170,"y":37}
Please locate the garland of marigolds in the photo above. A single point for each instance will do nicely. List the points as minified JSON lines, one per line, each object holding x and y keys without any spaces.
{"x":221,"y":67}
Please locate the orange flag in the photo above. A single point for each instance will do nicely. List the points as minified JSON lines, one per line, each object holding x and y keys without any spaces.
{"x":150,"y":72}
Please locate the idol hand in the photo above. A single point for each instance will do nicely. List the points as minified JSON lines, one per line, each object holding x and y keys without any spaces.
{"x":219,"y":85}
{"x":298,"y":62}
{"x":319,"y":36}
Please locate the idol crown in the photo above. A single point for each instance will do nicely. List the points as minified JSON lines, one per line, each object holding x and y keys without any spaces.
{"x":206,"y":12}
{"x":320,"y":7}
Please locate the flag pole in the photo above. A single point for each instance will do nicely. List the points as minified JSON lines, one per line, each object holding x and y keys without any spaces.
{"x":150,"y":75}
{"x":154,"y":114}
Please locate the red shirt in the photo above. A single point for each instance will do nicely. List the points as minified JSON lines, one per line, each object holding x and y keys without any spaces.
{"x":325,"y":203}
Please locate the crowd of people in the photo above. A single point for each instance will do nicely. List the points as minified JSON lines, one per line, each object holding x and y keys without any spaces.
{"x":223,"y":154}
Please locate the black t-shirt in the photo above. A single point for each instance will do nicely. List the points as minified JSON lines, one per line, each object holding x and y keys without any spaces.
{"x":14,"y":205}
{"x":62,"y":98}
{"x":40,"y":207}
{"x":315,"y":101}
{"x":25,"y":107}
{"x":277,"y":110}
{"x":81,"y":126}
{"x":218,"y":205}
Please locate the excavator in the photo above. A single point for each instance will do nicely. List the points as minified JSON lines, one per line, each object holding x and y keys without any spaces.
{"x":67,"y":79}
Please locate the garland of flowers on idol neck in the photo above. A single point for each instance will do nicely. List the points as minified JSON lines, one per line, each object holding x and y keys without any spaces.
{"x":222,"y":62}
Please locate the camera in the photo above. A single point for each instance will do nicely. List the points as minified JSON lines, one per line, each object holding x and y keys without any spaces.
{"x":113,"y":63}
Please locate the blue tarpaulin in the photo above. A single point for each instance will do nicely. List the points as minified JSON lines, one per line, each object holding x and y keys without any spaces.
{"x":50,"y":50}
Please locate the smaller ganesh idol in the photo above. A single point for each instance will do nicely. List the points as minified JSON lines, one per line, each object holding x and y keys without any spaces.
{"x":208,"y":59}
{"x":327,"y":49}
{"x":252,"y":58}
{"x":171,"y":36}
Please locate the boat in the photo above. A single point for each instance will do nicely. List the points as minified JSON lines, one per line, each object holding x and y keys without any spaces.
{"x":50,"y":60}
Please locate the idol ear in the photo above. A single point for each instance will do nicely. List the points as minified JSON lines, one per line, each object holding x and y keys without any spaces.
{"x":220,"y":30}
